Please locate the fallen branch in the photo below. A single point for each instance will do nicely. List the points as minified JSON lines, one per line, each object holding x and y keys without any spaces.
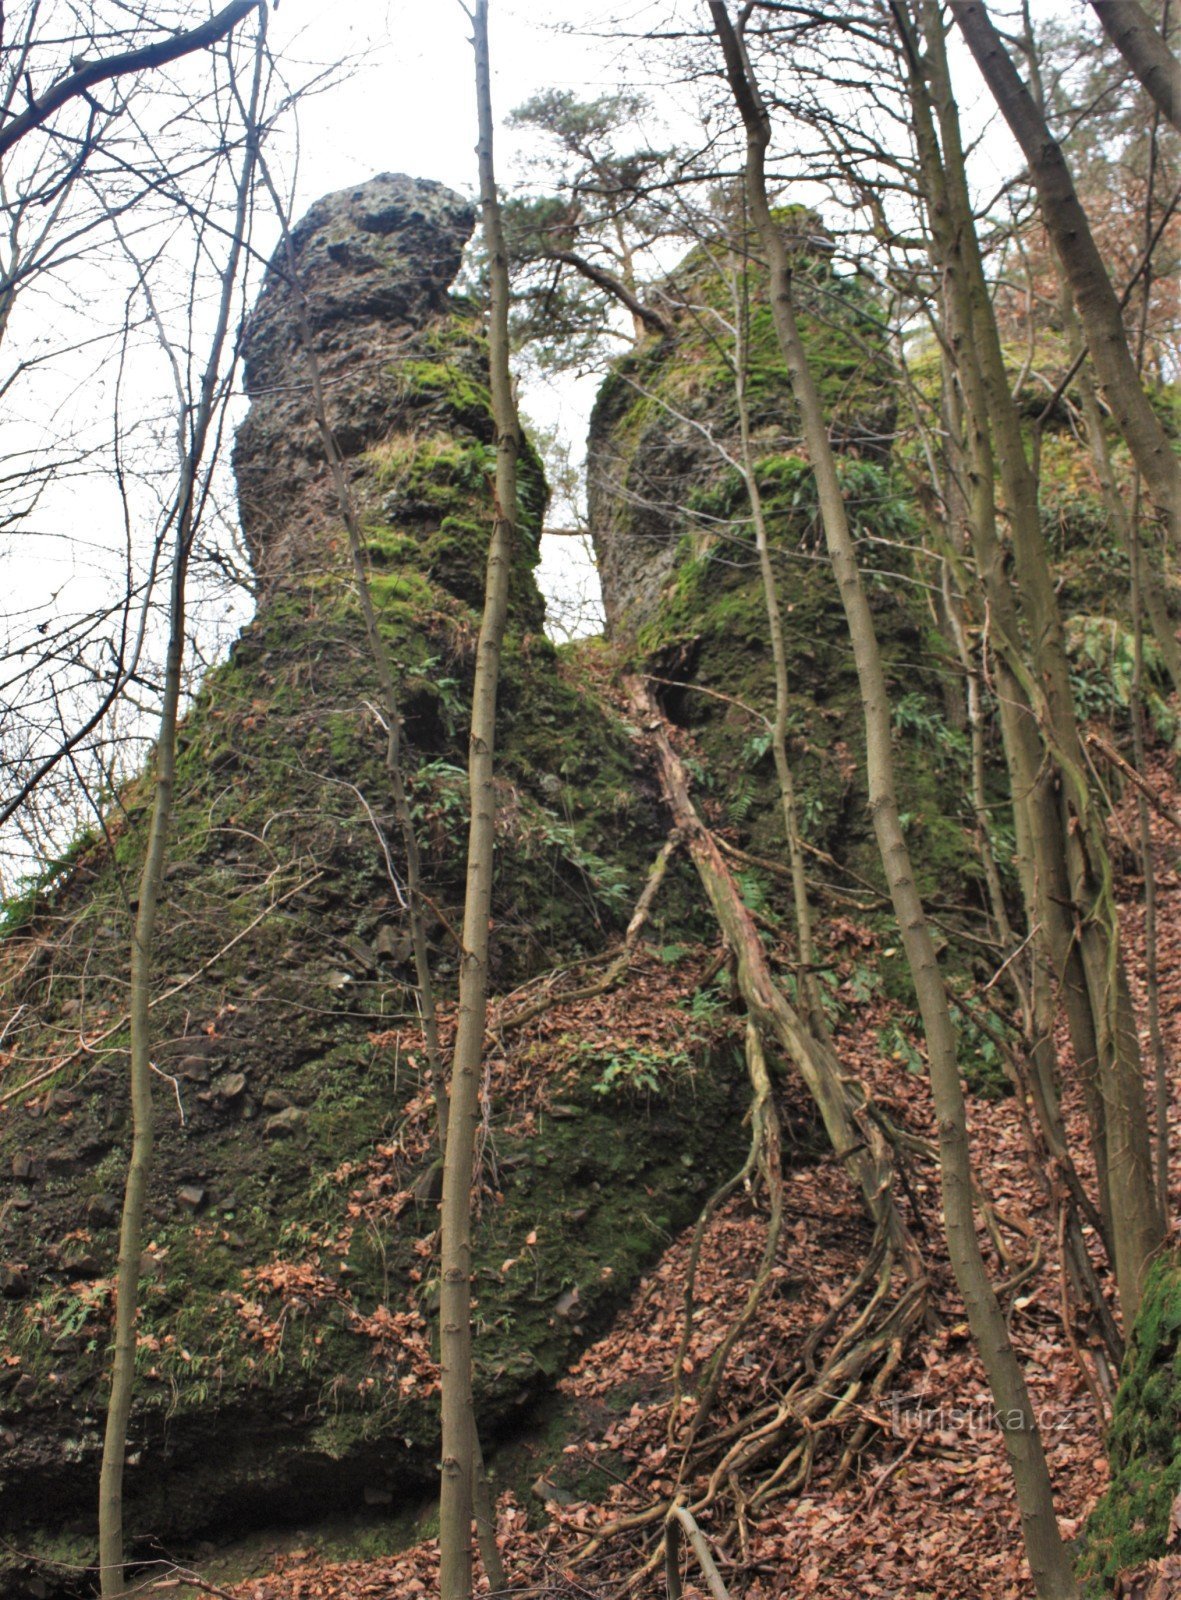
{"x":856,"y":1138}
{"x":622,"y":959}
{"x":1122,"y":765}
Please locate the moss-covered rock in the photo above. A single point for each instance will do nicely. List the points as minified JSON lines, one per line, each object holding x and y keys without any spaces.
{"x":287,"y":1347}
{"x":1130,"y":1525}
{"x":673,"y":531}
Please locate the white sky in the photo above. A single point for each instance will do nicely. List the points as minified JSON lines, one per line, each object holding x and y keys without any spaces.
{"x":410,"y":106}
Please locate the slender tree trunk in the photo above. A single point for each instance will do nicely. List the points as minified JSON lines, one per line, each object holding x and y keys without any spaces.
{"x":1146,"y":52}
{"x":1160,"y":1057}
{"x":455,"y":1517}
{"x":1097,"y":302}
{"x":1047,"y":1555}
{"x":485,"y":1514}
{"x":1072,"y":866}
{"x":193,"y":431}
{"x":958,"y":535}
{"x":1041,"y":860}
{"x":1151,"y":586}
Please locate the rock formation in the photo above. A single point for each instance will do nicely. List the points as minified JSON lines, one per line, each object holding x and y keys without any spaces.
{"x":286,"y":1338}
{"x":287,"y":1348}
{"x":673,"y":533}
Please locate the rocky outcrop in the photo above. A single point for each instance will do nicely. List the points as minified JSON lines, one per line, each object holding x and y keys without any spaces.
{"x":665,"y":426}
{"x":671,"y":522}
{"x":286,"y":1361}
{"x":376,"y":268}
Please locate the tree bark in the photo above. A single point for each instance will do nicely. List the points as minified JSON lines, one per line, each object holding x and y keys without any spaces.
{"x":1071,"y":883}
{"x":1041,"y":858}
{"x":1097,"y":302}
{"x":1047,"y":1555}
{"x":1145,"y":51}
{"x":651,"y":320}
{"x":455,"y":1515}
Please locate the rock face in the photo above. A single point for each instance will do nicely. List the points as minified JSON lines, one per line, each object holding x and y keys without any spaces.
{"x":671,"y":521}
{"x":668,"y":414}
{"x":286,"y":1359}
{"x":1135,"y":1520}
{"x":376,"y":266}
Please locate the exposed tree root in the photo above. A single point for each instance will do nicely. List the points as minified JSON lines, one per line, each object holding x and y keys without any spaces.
{"x":769,"y":1452}
{"x":733,"y":1472}
{"x":681,"y":1522}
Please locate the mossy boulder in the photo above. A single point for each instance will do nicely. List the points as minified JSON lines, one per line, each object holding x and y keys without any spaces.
{"x":286,"y":1339}
{"x":673,"y":530}
{"x":1130,"y":1525}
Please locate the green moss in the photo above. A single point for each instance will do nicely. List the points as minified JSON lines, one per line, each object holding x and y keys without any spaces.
{"x":278,"y":894}
{"x":705,"y":622}
{"x":1130,"y":1524}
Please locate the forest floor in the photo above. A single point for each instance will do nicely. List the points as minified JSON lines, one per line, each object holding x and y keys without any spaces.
{"x":924,"y":1509}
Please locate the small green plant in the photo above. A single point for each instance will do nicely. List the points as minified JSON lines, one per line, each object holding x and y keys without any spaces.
{"x":440,"y":793}
{"x":639,"y":1070}
{"x":752,"y":886}
{"x":633,"y":1069}
{"x":895,"y":1044}
{"x":448,"y":690}
{"x":707,"y":1005}
{"x":741,"y":801}
{"x":608,"y":883}
{"x":914,"y":717}
{"x":699,"y":774}
{"x":811,"y":815}
{"x":864,"y":984}
{"x":982,"y":1060}
{"x":756,"y":747}
{"x":1102,"y":672}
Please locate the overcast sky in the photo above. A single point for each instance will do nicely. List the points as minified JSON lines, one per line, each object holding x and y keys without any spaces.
{"x":410,"y":106}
